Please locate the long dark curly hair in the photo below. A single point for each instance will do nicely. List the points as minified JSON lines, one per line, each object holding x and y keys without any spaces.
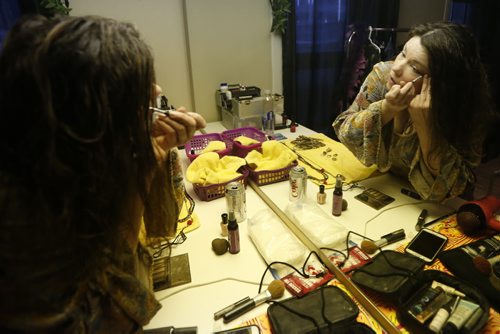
{"x":461,"y":105}
{"x":75,"y":149}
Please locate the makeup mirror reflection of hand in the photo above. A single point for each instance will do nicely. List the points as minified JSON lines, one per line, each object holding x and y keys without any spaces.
{"x":399,"y":96}
{"x":174,"y":130}
{"x":420,"y":104}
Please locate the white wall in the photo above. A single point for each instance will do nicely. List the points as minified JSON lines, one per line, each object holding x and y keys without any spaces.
{"x":199,"y":43}
{"x":229,"y":41}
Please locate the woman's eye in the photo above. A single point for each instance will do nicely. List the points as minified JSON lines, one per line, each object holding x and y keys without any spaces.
{"x":415,"y":69}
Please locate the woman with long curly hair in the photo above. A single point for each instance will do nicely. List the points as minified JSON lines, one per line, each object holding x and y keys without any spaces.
{"x":81,"y":162}
{"x":423,"y":116}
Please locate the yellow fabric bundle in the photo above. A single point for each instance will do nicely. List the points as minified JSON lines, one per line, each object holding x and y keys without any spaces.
{"x":344,"y":162}
{"x":245,"y":141}
{"x":215,"y":145}
{"x":274,"y":156}
{"x":209,"y":169}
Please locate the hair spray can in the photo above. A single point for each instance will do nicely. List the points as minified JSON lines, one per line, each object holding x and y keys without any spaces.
{"x":298,"y":183}
{"x":236,"y":200}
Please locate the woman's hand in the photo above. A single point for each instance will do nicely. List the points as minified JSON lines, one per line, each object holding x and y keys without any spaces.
{"x":174,"y":130}
{"x":419,"y":113}
{"x":398,"y":98}
{"x":421,"y":103}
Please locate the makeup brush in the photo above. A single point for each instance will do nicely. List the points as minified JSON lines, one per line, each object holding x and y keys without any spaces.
{"x":371,"y":247}
{"x":275,"y":290}
{"x":416,"y":79}
{"x":483,"y":265}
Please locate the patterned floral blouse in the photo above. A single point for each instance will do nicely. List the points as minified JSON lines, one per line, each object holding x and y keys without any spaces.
{"x":118,"y":299}
{"x":360,"y":129}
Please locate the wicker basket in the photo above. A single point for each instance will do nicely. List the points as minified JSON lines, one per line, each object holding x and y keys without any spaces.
{"x":197,"y":143}
{"x":271,"y":176}
{"x":242,"y":150}
{"x":214,"y":191}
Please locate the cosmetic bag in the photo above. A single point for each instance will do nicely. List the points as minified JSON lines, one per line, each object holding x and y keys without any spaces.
{"x":387,"y":273}
{"x":422,"y":282}
{"x":460,"y":262}
{"x":325,"y":310}
{"x":400,"y":278}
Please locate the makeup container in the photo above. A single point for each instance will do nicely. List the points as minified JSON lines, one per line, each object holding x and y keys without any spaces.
{"x":233,"y":234}
{"x":337,"y":197}
{"x":223,"y":224}
{"x":321,"y":196}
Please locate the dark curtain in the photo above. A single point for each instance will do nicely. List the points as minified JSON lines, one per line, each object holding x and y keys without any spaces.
{"x":11,"y":10}
{"x":9,"y":13}
{"x":316,"y":72}
{"x":313,"y":52}
{"x":482,"y":17}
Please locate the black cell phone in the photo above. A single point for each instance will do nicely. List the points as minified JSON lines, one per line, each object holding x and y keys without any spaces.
{"x":251,"y":329}
{"x":426,"y":245}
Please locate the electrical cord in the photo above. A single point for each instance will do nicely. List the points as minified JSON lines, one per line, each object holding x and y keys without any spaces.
{"x":208,"y":283}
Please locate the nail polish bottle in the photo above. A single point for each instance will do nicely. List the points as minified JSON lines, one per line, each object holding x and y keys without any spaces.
{"x":223,"y":225}
{"x":321,"y":196}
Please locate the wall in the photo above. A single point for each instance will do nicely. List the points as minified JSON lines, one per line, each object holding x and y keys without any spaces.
{"x":229,"y":41}
{"x":412,"y":12}
{"x":198,"y":44}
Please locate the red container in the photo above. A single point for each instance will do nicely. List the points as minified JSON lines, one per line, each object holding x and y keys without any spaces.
{"x":242,"y":150}
{"x":214,"y":191}
{"x":199,"y":142}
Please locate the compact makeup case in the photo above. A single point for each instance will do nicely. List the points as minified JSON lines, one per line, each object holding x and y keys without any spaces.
{"x":400,"y":279}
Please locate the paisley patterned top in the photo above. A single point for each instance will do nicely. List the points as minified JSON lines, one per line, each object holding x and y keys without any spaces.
{"x":118,"y":299}
{"x":360,"y":129}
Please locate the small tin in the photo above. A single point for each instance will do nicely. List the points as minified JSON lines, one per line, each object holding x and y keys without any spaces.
{"x":298,"y":183}
{"x":236,"y":200}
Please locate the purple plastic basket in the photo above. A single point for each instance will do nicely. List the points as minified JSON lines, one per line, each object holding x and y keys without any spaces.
{"x":197,"y":143}
{"x":271,"y":176}
{"x":214,"y":191}
{"x":242,"y":150}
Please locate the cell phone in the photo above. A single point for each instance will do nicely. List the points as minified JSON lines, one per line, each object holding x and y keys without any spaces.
{"x":426,"y":245}
{"x":251,"y":329}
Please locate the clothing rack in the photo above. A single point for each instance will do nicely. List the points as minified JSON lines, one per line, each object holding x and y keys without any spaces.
{"x":388,"y":29}
{"x":370,"y":29}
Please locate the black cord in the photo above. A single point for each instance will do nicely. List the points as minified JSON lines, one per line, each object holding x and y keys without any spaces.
{"x":283,"y":263}
{"x":341,"y":263}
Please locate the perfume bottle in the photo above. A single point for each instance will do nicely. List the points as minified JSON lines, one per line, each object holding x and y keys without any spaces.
{"x":337,"y":197}
{"x":233,"y":234}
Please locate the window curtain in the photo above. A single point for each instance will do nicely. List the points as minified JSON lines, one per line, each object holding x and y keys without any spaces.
{"x":482,"y":17}
{"x":316,"y":73}
{"x":313,"y":47}
{"x":9,"y":13}
{"x":11,"y":10}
